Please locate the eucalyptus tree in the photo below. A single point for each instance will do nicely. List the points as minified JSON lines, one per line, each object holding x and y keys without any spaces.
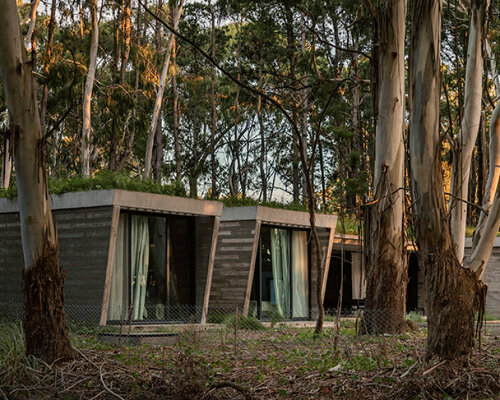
{"x":159,"y":93}
{"x":453,"y":292}
{"x":86,"y":144}
{"x":44,"y":320}
{"x":463,"y":144}
{"x":386,"y":270}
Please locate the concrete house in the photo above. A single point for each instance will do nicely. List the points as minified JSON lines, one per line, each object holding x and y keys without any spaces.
{"x":143,"y":256}
{"x":347,"y":250}
{"x":264,"y":262}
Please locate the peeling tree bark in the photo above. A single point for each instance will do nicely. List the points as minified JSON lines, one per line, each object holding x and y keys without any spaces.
{"x":87,"y":95}
{"x":386,"y":269}
{"x":44,"y":321}
{"x":466,"y":140}
{"x":451,"y":291}
{"x":159,"y":95}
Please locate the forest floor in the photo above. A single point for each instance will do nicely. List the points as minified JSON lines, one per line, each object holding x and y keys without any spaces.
{"x":280,"y":362}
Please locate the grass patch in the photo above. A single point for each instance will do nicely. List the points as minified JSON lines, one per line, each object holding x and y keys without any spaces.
{"x":246,"y":323}
{"x":104,"y":180}
{"x":416,"y":317}
{"x":248,"y":201}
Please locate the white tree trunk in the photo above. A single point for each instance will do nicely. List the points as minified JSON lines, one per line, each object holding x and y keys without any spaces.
{"x":31,"y":29}
{"x":483,"y":249}
{"x":34,"y":206}
{"x":44,"y":322}
{"x":494,"y":157}
{"x":488,"y":225}
{"x":466,"y":138}
{"x":451,"y":290}
{"x":87,"y":95}
{"x":386,"y":278}
{"x":159,"y":95}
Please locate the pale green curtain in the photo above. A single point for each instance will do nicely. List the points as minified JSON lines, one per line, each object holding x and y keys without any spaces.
{"x":300,"y":277}
{"x":117,"y":306}
{"x":280,"y":259}
{"x":139,"y":254}
{"x":358,"y":278}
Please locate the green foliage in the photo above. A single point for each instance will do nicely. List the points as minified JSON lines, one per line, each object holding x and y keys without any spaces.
{"x":348,"y":225}
{"x":416,"y":317}
{"x":104,"y":180}
{"x":247,"y":201}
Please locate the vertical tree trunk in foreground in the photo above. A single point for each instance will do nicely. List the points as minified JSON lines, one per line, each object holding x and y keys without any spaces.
{"x":451,"y":291}
{"x":44,"y":321}
{"x":386,"y":269}
{"x":466,"y":139}
{"x":87,"y":94}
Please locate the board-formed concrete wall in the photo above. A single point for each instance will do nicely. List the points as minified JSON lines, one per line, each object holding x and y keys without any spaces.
{"x":237,"y":249}
{"x":83,"y":248}
{"x":235,"y":244}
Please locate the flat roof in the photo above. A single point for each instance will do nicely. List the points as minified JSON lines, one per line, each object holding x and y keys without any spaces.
{"x":126,"y":199}
{"x":277,"y":216}
{"x":354,"y":240}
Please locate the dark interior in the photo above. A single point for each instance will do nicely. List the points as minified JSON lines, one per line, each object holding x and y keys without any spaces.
{"x":412,"y":288}
{"x":332,"y":292}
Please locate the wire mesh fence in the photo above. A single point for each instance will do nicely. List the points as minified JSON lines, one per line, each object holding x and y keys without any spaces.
{"x":92,"y":315}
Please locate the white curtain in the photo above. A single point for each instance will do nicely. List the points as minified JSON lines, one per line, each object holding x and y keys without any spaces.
{"x":300,"y":278}
{"x":357,"y":277}
{"x":117,"y":300}
{"x":280,"y":258}
{"x":139,"y":251}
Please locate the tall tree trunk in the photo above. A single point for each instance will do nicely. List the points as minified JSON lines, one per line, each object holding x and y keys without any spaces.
{"x":175,"y":115}
{"x":87,"y":95}
{"x":126,"y":29}
{"x":44,"y":321}
{"x":262,"y":155}
{"x":488,"y":224}
{"x":304,"y":120}
{"x":159,"y":95}
{"x":213,"y":121}
{"x":31,"y":29}
{"x":494,"y":159}
{"x":451,"y":291}
{"x":112,"y":105}
{"x":386,"y":269}
{"x":158,"y":151}
{"x":48,"y":52}
{"x":466,"y":139}
{"x":290,"y":50}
